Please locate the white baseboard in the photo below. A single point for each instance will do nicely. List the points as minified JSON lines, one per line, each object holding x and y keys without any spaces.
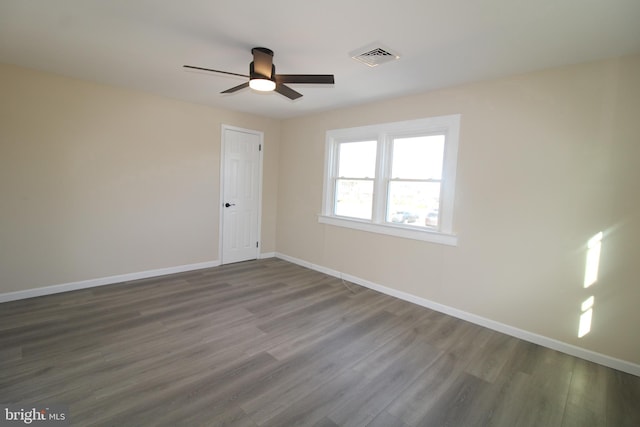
{"x":267,"y":255}
{"x":592,"y":356}
{"x":83,"y":284}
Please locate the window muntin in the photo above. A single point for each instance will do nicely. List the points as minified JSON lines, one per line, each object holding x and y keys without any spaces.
{"x":410,"y":191}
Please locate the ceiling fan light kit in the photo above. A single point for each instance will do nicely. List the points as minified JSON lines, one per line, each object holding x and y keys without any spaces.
{"x":262,"y":85}
{"x":262,"y":76}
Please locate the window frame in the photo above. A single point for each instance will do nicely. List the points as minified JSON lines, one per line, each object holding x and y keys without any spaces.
{"x":384,"y":134}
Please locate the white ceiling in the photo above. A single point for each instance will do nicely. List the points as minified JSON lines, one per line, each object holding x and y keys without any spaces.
{"x":142,"y":44}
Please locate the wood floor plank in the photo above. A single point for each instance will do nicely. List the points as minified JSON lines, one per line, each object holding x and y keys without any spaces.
{"x":384,"y":419}
{"x":422,"y":394}
{"x":405,"y":342}
{"x":315,"y":367}
{"x":496,"y":352}
{"x":586,"y":404}
{"x":510,"y":401}
{"x":536,"y":398}
{"x":325,"y":422}
{"x":10,"y":353}
{"x":466,"y":402}
{"x":362,"y":404}
{"x":174,"y":398}
{"x":623,"y":399}
{"x":313,"y":407}
{"x":270,"y":343}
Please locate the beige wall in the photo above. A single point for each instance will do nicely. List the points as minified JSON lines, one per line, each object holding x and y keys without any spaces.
{"x":97,"y":181}
{"x":546,"y":160}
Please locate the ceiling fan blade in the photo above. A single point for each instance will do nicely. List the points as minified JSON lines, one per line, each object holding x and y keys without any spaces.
{"x":305,"y":78}
{"x":215,"y":71}
{"x":262,"y":61}
{"x":236,"y":88}
{"x":287,"y":91}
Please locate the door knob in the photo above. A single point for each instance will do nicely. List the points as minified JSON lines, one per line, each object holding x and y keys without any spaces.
{"x":226,"y":205}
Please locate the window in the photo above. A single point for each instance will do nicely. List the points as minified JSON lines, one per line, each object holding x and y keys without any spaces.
{"x":354,"y":181}
{"x":394,"y":178}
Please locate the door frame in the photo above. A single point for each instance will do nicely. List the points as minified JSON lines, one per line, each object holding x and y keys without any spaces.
{"x":221,"y":208}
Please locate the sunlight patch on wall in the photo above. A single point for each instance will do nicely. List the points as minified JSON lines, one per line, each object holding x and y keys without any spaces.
{"x":588,"y":303}
{"x":592,"y":266}
{"x":593,"y":260}
{"x":585,"y":318}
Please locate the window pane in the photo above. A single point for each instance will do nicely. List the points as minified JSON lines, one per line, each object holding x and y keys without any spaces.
{"x":414,"y":203}
{"x":354,"y":198}
{"x":418,"y":157}
{"x":357,"y":159}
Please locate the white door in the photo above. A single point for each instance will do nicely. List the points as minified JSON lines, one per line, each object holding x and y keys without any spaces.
{"x":241,"y":179}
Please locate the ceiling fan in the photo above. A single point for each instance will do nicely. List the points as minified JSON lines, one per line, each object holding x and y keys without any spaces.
{"x":262,"y":76}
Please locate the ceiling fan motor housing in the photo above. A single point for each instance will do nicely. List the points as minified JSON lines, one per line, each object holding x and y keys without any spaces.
{"x":263,"y":50}
{"x":253,"y":74}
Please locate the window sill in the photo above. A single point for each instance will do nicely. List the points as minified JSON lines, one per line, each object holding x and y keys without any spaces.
{"x":391,"y":230}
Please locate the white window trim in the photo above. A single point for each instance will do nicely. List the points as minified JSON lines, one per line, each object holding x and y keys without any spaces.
{"x":449,"y":125}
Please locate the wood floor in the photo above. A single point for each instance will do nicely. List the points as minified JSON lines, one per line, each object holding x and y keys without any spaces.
{"x":269,"y":343}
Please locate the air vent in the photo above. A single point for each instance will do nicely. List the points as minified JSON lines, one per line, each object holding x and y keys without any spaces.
{"x":374,"y":55}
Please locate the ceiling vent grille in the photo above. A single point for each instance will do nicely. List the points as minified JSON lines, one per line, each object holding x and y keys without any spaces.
{"x":374,"y":55}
